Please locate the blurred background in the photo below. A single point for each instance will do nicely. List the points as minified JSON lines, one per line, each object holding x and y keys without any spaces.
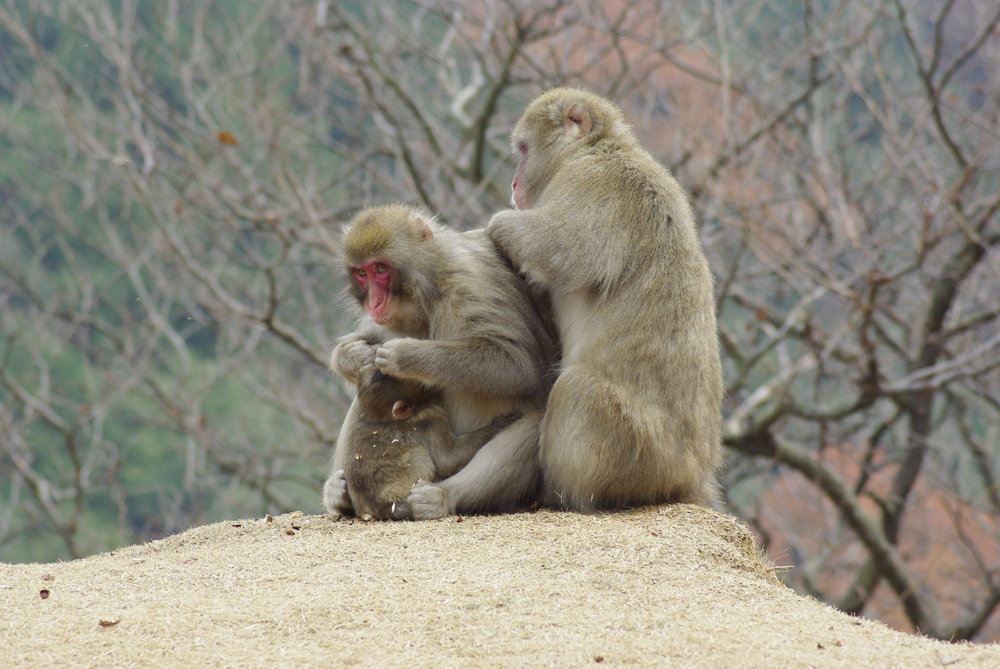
{"x":173,"y":176}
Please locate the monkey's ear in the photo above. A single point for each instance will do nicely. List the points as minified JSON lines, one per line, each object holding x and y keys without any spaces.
{"x":401,"y":410}
{"x":420,"y":226}
{"x":577,"y":122}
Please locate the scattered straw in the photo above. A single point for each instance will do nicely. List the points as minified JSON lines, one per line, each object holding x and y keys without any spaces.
{"x":660,"y":586}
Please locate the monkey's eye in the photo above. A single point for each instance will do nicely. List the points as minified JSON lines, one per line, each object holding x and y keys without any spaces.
{"x":380,"y":268}
{"x":522,"y":147}
{"x":360,"y":272}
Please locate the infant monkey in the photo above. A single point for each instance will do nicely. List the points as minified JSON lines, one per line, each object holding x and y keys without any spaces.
{"x":401,"y":433}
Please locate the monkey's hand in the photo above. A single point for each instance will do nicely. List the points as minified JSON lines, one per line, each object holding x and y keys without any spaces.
{"x":352,"y":359}
{"x":335,"y":497}
{"x":502,"y":227}
{"x":394,"y":357}
{"x":507,"y":231}
{"x":428,"y":501}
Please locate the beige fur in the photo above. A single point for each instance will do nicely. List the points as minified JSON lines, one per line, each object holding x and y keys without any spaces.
{"x":634,"y":417}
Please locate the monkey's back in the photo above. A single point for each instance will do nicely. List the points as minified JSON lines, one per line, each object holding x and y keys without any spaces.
{"x":387,"y":458}
{"x":656,"y":285}
{"x":504,"y":305}
{"x":487,"y":300}
{"x":649,"y":327}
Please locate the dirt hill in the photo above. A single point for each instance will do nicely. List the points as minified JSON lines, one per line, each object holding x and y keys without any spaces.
{"x":672,"y":586}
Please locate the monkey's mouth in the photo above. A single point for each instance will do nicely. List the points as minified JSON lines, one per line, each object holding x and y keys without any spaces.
{"x":378,"y":307}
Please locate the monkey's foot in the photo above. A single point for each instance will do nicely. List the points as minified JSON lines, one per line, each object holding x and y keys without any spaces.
{"x":428,"y":501}
{"x":400,"y":511}
{"x":335,"y":498}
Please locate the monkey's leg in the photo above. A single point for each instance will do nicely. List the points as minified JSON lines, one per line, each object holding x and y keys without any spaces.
{"x":594,"y":448}
{"x":336,"y":501}
{"x":502,"y":476}
{"x":602,"y":446}
{"x":465,"y":446}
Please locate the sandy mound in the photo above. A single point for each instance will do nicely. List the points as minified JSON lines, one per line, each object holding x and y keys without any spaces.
{"x":677,"y":585}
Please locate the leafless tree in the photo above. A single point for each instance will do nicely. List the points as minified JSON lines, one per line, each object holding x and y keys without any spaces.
{"x":175,"y":173}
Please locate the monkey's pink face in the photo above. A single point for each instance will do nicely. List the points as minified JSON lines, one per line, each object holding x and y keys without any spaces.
{"x":374,"y":278}
{"x":519,"y":194}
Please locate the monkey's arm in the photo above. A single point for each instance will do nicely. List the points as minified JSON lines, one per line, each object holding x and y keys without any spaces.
{"x":478,"y":437}
{"x":562,"y":248}
{"x":466,"y":445}
{"x":503,"y":475}
{"x":483,"y":364}
{"x":354,"y":351}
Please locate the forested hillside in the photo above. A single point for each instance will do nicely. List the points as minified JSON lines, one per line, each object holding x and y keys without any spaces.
{"x":174,"y":175}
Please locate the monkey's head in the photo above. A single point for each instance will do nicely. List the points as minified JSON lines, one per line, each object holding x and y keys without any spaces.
{"x":555,"y":125}
{"x":385,"y":398}
{"x":392,"y":261}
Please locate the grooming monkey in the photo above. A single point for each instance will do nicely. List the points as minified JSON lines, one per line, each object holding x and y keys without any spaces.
{"x":635,"y":414}
{"x":445,"y":310}
{"x":401,"y":431}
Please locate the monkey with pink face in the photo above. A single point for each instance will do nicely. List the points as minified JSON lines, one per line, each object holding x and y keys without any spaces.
{"x":444,"y":309}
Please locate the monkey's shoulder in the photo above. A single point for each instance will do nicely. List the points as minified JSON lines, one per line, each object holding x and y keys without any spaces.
{"x":481,"y":279}
{"x":479,"y":253}
{"x":616,"y":165}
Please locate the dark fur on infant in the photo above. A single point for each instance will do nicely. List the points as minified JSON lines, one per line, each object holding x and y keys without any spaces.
{"x":402,"y":428}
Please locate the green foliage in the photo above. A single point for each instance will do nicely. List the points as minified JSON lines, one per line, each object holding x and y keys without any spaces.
{"x":148,"y":428}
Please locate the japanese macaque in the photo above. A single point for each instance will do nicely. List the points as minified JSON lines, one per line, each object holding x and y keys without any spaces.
{"x":635,"y":415}
{"x":400,"y":432}
{"x":444,"y":309}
